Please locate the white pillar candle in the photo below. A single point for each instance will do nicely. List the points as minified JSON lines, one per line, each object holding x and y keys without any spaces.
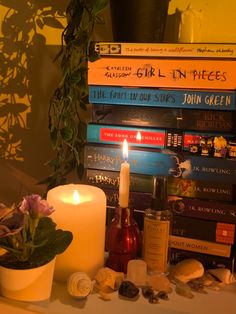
{"x":80,"y":209}
{"x":124,"y":178}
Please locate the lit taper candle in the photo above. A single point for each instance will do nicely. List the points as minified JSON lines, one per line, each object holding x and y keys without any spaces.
{"x":124,"y":178}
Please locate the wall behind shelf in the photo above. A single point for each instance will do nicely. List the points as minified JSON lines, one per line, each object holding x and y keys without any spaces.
{"x":218,"y":19}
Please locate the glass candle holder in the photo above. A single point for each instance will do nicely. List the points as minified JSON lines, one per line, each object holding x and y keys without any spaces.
{"x":123,"y":240}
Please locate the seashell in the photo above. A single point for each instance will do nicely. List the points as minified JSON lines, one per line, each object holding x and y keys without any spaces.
{"x":79,"y":285}
{"x":187,"y":270}
{"x":222,"y":274}
{"x":107,"y":277}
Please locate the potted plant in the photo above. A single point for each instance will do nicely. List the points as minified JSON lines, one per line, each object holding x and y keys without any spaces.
{"x":30,"y":241}
{"x":67,"y":113}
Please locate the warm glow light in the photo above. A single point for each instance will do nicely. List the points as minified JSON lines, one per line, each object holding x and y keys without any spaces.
{"x":138,"y":136}
{"x":81,"y":209}
{"x":125,"y":150}
{"x":76,"y":197}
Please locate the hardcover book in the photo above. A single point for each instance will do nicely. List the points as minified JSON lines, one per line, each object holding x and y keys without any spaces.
{"x":161,"y":163}
{"x":184,"y":119}
{"x":174,"y":73}
{"x":203,"y":229}
{"x":199,"y":50}
{"x":201,"y":246}
{"x":209,"y":210}
{"x":171,"y":98}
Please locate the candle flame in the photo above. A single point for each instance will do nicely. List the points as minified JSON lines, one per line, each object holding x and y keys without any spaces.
{"x":125,"y":150}
{"x":76,"y":197}
{"x":138,"y":136}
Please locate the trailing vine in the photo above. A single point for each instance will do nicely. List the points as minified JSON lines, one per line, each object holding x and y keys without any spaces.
{"x":67,"y":123}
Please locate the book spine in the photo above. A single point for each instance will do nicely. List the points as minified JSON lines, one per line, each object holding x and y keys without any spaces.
{"x":204,"y":247}
{"x":111,"y":180}
{"x":145,"y":137}
{"x":153,"y":162}
{"x":208,"y":261}
{"x":183,"y":119}
{"x":201,"y":189}
{"x":203,"y":229}
{"x":209,"y":210}
{"x":175,"y":187}
{"x":188,"y":99}
{"x":198,"y":50}
{"x":174,"y":73}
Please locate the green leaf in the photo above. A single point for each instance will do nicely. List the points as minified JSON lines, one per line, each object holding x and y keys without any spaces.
{"x":99,"y":5}
{"x":66,"y":133}
{"x":80,"y":171}
{"x":53,"y":136}
{"x":57,"y":243}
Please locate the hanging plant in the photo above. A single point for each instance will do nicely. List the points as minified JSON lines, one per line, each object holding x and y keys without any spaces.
{"x":69,"y":103}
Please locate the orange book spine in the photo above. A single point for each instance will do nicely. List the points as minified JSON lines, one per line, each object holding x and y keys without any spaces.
{"x":174,"y":73}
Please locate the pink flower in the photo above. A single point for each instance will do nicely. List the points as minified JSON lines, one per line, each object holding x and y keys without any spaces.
{"x":34,"y":205}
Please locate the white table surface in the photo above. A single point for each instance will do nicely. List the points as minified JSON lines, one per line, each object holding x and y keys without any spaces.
{"x":222,"y":302}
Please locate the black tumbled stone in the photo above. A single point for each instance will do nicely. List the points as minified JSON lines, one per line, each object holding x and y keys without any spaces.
{"x":128,"y":290}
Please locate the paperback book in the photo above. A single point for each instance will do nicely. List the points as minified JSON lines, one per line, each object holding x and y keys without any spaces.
{"x":156,"y":97}
{"x":111,"y":180}
{"x":160,"y":72}
{"x":192,"y":50}
{"x":161,"y":163}
{"x":200,"y":246}
{"x":173,"y":139}
{"x":202,"y":229}
{"x":203,"y":209}
{"x":175,"y":187}
{"x":202,"y":189}
{"x":153,"y":117}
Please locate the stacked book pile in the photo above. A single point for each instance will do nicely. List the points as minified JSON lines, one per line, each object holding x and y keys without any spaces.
{"x":175,"y":104}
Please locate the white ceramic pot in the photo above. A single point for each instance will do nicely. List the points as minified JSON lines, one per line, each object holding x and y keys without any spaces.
{"x":27,"y":284}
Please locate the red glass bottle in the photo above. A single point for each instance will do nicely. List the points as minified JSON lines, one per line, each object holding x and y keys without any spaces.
{"x":123,"y":240}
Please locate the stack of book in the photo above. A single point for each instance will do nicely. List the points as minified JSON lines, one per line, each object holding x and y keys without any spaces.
{"x":176,"y":106}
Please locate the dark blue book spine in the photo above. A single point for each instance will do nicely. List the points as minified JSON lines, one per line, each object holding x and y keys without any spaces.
{"x":203,"y":209}
{"x":154,"y":97}
{"x":174,"y":118}
{"x":111,"y":180}
{"x":162,"y":163}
